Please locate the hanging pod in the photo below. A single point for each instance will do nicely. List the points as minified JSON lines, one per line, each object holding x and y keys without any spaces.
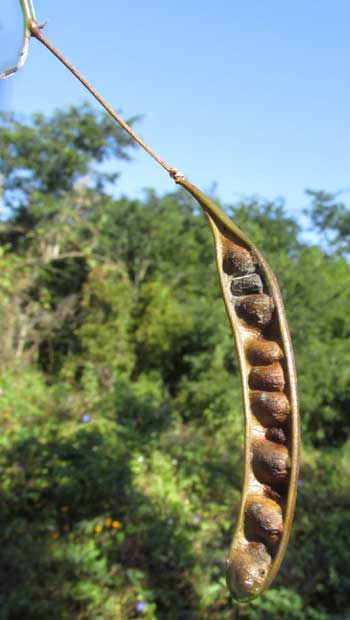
{"x":255,"y":309}
{"x":272,"y":443}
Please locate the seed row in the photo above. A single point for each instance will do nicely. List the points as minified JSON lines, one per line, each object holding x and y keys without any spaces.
{"x":269,"y":442}
{"x":272,"y":439}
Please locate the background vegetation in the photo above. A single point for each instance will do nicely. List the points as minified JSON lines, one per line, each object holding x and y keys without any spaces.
{"x":120,"y":397}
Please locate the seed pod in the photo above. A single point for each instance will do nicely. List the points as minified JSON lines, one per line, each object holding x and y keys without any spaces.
{"x":270,"y":408}
{"x":261,"y":351}
{"x":250,"y":566}
{"x":255,"y":309}
{"x":270,"y":378}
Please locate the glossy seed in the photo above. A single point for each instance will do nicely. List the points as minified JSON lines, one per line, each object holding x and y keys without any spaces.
{"x":263,"y":520}
{"x":244,"y":285}
{"x":271,"y":462}
{"x":276,"y":434}
{"x":268,"y":378}
{"x":270,"y":408}
{"x":238,"y":261}
{"x":255,"y":309}
{"x":260,"y":351}
{"x":247,"y":570}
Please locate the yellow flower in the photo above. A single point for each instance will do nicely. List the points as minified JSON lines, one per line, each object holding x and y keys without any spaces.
{"x":98,"y":528}
{"x":54,"y":535}
{"x":109,"y":521}
{"x":116,"y":524}
{"x":64,"y":508}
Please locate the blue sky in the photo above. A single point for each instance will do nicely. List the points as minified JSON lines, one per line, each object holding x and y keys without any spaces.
{"x":253,"y":96}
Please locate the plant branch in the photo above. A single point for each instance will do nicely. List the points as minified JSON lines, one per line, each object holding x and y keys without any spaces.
{"x":35,"y":30}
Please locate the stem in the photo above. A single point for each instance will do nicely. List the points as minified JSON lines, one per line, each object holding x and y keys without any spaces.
{"x":28,"y":11}
{"x":35,"y":30}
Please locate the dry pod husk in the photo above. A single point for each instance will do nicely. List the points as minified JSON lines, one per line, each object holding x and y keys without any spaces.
{"x":272,"y":442}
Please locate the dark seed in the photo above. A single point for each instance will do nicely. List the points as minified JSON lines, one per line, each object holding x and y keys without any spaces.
{"x":238,"y":261}
{"x":276,"y":434}
{"x":271,"y":462}
{"x":268,"y":492}
{"x":255,"y":309}
{"x":270,"y":408}
{"x":268,"y":378}
{"x":263,"y":520}
{"x":247,"y":570}
{"x":260,"y":351}
{"x":244,"y":285}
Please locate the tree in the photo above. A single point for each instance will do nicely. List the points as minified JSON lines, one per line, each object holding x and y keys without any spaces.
{"x":120,"y":401}
{"x":331,"y":218}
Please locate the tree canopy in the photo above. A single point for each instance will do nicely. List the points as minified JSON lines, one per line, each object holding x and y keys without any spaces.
{"x":120,"y":399}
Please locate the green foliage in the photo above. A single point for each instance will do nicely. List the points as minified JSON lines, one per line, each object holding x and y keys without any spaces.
{"x":332,"y":218}
{"x":285,"y":605}
{"x":120,"y":404}
{"x":50,"y":155}
{"x":317,"y":295}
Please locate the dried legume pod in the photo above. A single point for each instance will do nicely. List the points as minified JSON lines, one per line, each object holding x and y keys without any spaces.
{"x":255,"y":309}
{"x":272,"y":442}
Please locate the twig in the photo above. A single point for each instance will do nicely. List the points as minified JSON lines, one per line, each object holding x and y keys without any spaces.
{"x":35,"y":30}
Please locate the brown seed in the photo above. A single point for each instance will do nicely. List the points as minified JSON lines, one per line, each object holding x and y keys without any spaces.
{"x":270,"y":461}
{"x":238,"y":261}
{"x":270,"y":378}
{"x":247,"y":570}
{"x":244,"y":285}
{"x":276,"y":434}
{"x":255,"y":309}
{"x":263,"y":520}
{"x":260,"y":351}
{"x":268,"y":492}
{"x":270,"y":408}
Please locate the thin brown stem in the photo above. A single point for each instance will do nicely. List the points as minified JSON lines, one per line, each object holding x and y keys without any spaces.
{"x":35,"y":30}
